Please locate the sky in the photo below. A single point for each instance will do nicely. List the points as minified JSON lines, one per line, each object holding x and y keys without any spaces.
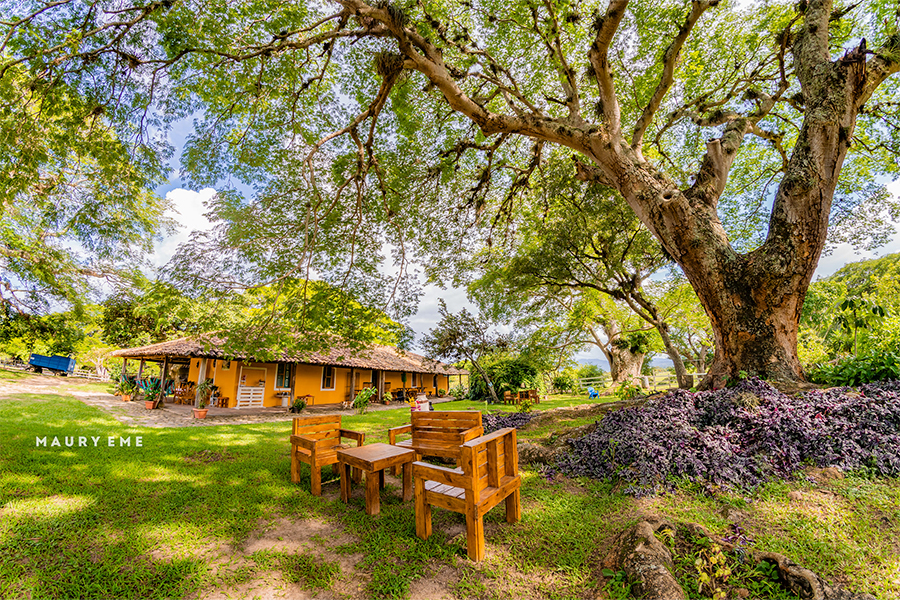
{"x":189,"y":207}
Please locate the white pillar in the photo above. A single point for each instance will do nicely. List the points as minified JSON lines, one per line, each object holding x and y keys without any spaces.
{"x":201,"y":377}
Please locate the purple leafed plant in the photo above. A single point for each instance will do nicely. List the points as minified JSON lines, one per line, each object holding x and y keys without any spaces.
{"x":497,"y":421}
{"x":739,"y":437}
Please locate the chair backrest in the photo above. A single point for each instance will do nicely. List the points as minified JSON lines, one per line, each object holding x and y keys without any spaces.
{"x":317,"y":428}
{"x":507,"y":395}
{"x":443,"y":425}
{"x":533,"y":394}
{"x":490,"y":458}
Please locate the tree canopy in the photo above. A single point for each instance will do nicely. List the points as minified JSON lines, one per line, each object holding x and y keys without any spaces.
{"x":733,"y":131}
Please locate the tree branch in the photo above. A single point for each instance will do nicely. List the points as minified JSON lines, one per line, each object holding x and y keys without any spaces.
{"x":670,"y":58}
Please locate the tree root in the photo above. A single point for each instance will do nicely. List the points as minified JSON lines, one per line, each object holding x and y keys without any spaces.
{"x":649,"y":566}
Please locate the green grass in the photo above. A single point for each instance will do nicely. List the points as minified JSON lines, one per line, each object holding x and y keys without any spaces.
{"x":138,"y":522}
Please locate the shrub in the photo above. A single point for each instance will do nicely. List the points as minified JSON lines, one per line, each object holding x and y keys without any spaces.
{"x":742,"y":436}
{"x":459,"y":392}
{"x":855,"y":371}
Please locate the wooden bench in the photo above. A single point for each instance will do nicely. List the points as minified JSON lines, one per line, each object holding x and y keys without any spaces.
{"x":488,"y":473}
{"x":438,"y":433}
{"x":315,"y":441}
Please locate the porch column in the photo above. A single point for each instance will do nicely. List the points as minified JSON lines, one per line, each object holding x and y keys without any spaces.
{"x":140,"y":370}
{"x":163,"y":371}
{"x":124,"y":370}
{"x":201,"y":377}
{"x":379,"y":386}
{"x":352,"y":385}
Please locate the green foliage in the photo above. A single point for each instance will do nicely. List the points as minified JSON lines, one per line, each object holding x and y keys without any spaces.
{"x":565,"y":382}
{"x":299,"y":404}
{"x":361,"y":402}
{"x":507,"y":373}
{"x":628,"y":391}
{"x":459,"y":392}
{"x":857,"y":370}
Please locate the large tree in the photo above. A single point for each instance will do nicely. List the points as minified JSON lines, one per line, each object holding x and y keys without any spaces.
{"x":658,"y":100}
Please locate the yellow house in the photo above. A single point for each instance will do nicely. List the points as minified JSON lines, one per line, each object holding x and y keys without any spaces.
{"x":330,"y":377}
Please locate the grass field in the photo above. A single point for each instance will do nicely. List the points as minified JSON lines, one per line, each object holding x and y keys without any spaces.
{"x":210,"y":512}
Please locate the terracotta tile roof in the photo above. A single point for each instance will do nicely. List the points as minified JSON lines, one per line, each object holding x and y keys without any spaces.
{"x":372,"y":356}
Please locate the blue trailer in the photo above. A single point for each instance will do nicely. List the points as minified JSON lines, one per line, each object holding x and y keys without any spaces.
{"x":58,"y":364}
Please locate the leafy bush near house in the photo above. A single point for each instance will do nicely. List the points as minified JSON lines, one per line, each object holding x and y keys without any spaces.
{"x":459,"y":392}
{"x":855,"y":371}
{"x":741,"y":436}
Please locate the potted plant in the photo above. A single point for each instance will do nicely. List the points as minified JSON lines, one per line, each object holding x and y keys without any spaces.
{"x":205,"y":389}
{"x":201,"y":409}
{"x":298,"y":405}
{"x":153,"y":396}
{"x":129,"y":389}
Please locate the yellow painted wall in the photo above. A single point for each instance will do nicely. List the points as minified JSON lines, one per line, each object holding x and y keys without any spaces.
{"x":307,"y":380}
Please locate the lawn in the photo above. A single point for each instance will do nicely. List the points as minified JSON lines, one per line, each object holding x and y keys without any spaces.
{"x":210,"y":512}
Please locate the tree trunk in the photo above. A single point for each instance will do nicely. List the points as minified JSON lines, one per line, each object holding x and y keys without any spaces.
{"x":624,"y":365}
{"x":674,"y":355}
{"x":487,"y":380}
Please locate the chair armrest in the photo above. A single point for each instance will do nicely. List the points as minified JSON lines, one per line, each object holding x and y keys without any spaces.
{"x":394,"y":431}
{"x":304,"y":442}
{"x":471,"y":434}
{"x":354,"y":435}
{"x":480,"y":441}
{"x":454,"y":477}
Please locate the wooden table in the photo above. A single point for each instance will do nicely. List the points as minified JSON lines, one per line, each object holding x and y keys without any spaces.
{"x":373,"y":459}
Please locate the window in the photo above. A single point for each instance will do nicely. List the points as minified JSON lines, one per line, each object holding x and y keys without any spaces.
{"x":283,"y":376}
{"x":226,"y":365}
{"x":327,"y":378}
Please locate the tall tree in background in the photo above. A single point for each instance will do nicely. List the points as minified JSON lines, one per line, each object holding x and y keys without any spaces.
{"x":579,"y":237}
{"x":660,"y":101}
{"x":462,"y":336}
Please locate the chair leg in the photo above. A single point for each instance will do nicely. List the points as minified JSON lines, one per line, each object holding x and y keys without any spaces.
{"x":474,"y":536}
{"x":295,"y":465}
{"x":423,"y":511}
{"x":513,"y":507}
{"x":315,"y":475}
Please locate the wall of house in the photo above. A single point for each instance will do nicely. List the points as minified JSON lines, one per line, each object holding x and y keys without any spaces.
{"x":307,"y":381}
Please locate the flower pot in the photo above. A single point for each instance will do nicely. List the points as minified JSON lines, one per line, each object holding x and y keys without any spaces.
{"x":126,"y":397}
{"x":148,"y":404}
{"x":200,"y":413}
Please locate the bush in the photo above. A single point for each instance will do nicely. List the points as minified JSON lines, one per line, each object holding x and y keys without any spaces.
{"x":565,"y":383}
{"x":506,"y":374}
{"x":855,"y":371}
{"x":742,"y":436}
{"x":459,"y":392}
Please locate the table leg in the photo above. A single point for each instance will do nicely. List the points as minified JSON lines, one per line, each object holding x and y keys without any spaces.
{"x":345,"y":481}
{"x":373,"y":494}
{"x":407,"y":482}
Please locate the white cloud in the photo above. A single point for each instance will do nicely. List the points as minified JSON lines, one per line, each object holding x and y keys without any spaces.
{"x":188,"y":208}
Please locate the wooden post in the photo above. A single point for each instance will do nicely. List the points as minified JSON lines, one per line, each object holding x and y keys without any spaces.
{"x":140,"y":370}
{"x":201,"y":377}
{"x":379,"y":384}
{"x":124,"y":370}
{"x":162,"y":377}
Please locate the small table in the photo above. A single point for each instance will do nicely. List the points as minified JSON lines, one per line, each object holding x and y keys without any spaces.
{"x":373,"y":459}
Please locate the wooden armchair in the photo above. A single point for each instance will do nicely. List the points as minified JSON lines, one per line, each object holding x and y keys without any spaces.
{"x":315,"y":441}
{"x":508,"y":398}
{"x":438,"y":433}
{"x":488,"y":474}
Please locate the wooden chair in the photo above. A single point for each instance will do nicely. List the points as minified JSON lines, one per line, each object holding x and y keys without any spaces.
{"x":508,"y":398}
{"x":488,"y":473}
{"x":315,"y":441}
{"x":438,"y":433}
{"x":533,"y":397}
